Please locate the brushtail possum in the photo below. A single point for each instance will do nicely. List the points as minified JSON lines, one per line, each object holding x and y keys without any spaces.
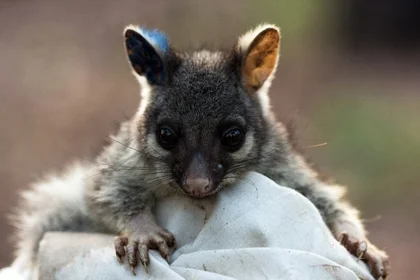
{"x":204,"y":120}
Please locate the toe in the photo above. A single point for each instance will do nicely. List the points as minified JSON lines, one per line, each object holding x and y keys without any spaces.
{"x":132,"y":256}
{"x":169,"y":238}
{"x":144,"y":254}
{"x":343,"y":239}
{"x":350,"y":244}
{"x":378,"y":264}
{"x":385,"y":262}
{"x":163,"y":248}
{"x":119,"y":243}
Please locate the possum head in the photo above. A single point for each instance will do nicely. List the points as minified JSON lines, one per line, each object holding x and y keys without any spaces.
{"x":203,"y":115}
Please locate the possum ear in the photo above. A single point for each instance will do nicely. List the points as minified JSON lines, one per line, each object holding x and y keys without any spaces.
{"x":146,"y":50}
{"x":258,"y":52}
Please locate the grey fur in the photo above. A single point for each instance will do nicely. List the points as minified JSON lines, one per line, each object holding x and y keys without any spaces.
{"x":203,"y":92}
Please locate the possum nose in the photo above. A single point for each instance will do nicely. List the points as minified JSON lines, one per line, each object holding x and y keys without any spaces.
{"x":197,"y":186}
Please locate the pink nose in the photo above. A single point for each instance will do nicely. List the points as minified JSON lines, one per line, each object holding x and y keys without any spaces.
{"x":197,"y":186}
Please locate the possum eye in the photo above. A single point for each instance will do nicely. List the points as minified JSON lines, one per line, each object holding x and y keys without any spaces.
{"x":167,"y":138}
{"x":232,"y":139}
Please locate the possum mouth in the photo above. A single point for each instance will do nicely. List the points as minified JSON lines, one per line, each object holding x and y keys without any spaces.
{"x":201,"y":196}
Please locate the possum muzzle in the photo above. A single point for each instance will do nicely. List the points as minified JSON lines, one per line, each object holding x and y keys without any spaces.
{"x":201,"y":177}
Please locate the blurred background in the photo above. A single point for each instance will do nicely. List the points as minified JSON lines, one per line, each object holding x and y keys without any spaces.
{"x":349,"y":76}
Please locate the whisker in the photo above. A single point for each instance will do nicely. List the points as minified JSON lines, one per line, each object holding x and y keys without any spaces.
{"x":165,"y":157}
{"x":241,"y":179}
{"x":111,"y":167}
{"x":317,"y":145}
{"x":134,"y":149}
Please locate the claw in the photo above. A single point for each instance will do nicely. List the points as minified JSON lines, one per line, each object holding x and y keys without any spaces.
{"x":360,"y":256}
{"x":343,"y":238}
{"x":119,"y":243}
{"x":133,"y":269}
{"x":146,"y":268}
{"x":361,"y":250}
{"x":375,"y":259}
{"x":141,"y":242}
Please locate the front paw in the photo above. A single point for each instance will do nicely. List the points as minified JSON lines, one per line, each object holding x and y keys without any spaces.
{"x":376,"y":260}
{"x":141,"y":241}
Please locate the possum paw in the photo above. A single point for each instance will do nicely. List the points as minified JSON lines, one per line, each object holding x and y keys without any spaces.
{"x":376,"y":260}
{"x":140,"y":242}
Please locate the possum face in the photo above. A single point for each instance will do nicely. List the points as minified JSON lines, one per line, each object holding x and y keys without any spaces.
{"x":203,"y":115}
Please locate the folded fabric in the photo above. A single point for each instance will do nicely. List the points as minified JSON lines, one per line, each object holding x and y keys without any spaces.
{"x":253,"y":230}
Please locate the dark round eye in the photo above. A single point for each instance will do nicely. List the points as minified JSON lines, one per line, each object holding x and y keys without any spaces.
{"x":233,"y":139}
{"x":167,"y":138}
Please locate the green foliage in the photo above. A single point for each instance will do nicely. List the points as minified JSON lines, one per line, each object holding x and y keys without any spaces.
{"x":295,"y":17}
{"x":377,"y":137}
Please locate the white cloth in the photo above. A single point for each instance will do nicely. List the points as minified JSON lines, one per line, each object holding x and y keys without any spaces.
{"x":253,"y":230}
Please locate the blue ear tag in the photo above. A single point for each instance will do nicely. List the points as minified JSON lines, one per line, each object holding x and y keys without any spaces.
{"x":143,"y":56}
{"x":156,"y":36}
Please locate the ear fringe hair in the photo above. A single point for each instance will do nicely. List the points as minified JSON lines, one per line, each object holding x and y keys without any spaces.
{"x":155,"y":37}
{"x":245,"y":40}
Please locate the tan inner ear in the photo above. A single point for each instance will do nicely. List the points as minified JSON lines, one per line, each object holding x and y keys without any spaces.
{"x":261,"y":58}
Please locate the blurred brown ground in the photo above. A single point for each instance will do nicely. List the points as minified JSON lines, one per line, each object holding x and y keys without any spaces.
{"x":65,"y":84}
